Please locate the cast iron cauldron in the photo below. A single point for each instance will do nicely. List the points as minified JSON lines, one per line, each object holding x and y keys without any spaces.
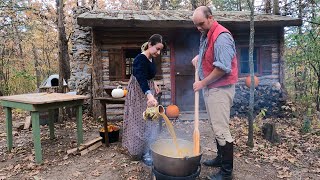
{"x":174,"y":166}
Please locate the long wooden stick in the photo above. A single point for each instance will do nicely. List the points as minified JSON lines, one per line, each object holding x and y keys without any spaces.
{"x":196,"y":132}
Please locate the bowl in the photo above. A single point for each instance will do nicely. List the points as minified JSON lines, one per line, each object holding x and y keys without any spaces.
{"x":112,"y":136}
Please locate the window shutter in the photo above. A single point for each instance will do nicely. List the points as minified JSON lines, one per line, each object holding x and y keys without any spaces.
{"x":266,"y":60}
{"x":115,"y":64}
{"x":159,"y":69}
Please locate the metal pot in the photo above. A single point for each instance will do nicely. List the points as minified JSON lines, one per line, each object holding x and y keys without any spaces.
{"x":173,"y":165}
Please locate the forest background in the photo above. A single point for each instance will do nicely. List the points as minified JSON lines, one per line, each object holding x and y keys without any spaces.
{"x":36,"y":39}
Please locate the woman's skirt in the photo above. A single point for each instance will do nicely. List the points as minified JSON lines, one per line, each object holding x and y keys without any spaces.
{"x":138,"y":133}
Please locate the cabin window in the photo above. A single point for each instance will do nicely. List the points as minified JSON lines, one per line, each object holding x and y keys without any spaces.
{"x":121,"y":64}
{"x":261,"y":60}
{"x":129,"y":55}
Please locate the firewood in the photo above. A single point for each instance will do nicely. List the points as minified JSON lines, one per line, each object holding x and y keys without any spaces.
{"x":89,"y":143}
{"x":72,"y":151}
{"x":27,"y":123}
{"x":93,"y":147}
{"x":84,"y":146}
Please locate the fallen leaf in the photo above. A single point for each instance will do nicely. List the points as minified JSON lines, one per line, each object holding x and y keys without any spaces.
{"x":30,"y":166}
{"x":17,"y":167}
{"x":124,"y":165}
{"x":96,"y":173}
{"x":298,"y":150}
{"x":247,"y":161}
{"x":33,"y":173}
{"x":76,"y":174}
{"x":292,"y":160}
{"x":134,"y":162}
{"x":237,"y":154}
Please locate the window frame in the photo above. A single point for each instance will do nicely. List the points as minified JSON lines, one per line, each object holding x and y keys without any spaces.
{"x":123,"y":64}
{"x":123,"y":52}
{"x":259,"y":68}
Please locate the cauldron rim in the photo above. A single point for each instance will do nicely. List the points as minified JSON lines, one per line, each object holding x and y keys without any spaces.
{"x":178,"y":139}
{"x":174,"y":166}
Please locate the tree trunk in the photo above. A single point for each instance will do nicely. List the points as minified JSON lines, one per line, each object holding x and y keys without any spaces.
{"x":239,"y":7}
{"x":251,"y":101}
{"x":64,"y":60}
{"x":94,"y":4}
{"x":269,"y":132}
{"x":318,"y":95}
{"x":36,"y":64}
{"x":282,"y":60}
{"x":300,"y":15}
{"x":295,"y":82}
{"x":276,"y":10}
{"x":268,"y":6}
{"x":163,"y":4}
{"x":194,"y":4}
{"x":144,"y":4}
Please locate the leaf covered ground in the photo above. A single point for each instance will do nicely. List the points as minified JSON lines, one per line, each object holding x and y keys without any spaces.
{"x":297,"y":156}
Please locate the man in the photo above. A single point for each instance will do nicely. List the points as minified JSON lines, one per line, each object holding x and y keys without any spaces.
{"x":218,"y":73}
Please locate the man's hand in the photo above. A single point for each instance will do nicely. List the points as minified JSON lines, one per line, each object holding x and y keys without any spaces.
{"x":195,"y":61}
{"x":198,"y":85}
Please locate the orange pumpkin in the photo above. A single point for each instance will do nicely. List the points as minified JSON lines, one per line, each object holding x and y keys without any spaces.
{"x":172,"y":111}
{"x":125,"y":92}
{"x":248,"y":81}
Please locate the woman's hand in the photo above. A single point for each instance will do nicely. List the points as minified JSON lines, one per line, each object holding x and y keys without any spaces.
{"x":151,"y":101}
{"x":156,"y":88}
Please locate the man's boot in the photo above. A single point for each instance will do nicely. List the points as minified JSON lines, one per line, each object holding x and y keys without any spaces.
{"x":216,"y":162}
{"x":225,"y":172}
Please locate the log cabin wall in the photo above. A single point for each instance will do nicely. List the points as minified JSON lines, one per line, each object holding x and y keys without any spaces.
{"x":270,"y":94}
{"x":113,"y":47}
{"x":267,"y":43}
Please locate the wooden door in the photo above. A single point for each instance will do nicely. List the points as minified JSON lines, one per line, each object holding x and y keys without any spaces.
{"x":186,"y":46}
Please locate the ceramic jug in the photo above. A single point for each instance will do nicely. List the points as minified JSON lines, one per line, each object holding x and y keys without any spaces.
{"x":153,"y":113}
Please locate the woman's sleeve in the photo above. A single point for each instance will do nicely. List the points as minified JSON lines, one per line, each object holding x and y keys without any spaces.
{"x":140,"y":72}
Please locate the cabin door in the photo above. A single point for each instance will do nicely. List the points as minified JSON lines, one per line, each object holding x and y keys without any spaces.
{"x":186,"y":46}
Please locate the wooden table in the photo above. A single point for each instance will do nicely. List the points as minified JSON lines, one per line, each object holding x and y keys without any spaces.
{"x":36,"y":103}
{"x":110,"y":100}
{"x":104,"y":101}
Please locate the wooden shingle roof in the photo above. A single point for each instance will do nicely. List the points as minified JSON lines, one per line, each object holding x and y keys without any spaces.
{"x":176,"y":19}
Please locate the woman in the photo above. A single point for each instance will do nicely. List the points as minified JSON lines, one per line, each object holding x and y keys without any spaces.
{"x":138,"y":133}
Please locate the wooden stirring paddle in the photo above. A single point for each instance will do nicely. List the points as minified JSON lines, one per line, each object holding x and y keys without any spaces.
{"x":196,"y":132}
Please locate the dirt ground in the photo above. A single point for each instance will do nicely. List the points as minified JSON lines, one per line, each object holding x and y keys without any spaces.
{"x":265,"y":162}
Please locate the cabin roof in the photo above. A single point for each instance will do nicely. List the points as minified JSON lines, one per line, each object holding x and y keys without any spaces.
{"x":178,"y":19}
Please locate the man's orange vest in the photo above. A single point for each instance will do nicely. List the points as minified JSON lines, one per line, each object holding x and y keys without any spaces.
{"x":208,"y":58}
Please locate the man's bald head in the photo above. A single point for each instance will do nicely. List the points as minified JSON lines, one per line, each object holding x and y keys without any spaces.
{"x":203,"y":11}
{"x":202,"y":18}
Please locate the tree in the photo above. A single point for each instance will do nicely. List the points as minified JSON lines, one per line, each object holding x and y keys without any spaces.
{"x":64,"y":60}
{"x":251,"y":101}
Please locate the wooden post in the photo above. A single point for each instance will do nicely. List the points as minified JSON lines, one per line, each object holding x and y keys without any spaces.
{"x":97,"y":74}
{"x":51,"y":123}
{"x":105,"y":122}
{"x":8,"y":112}
{"x":79,"y":124}
{"x":36,"y":136}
